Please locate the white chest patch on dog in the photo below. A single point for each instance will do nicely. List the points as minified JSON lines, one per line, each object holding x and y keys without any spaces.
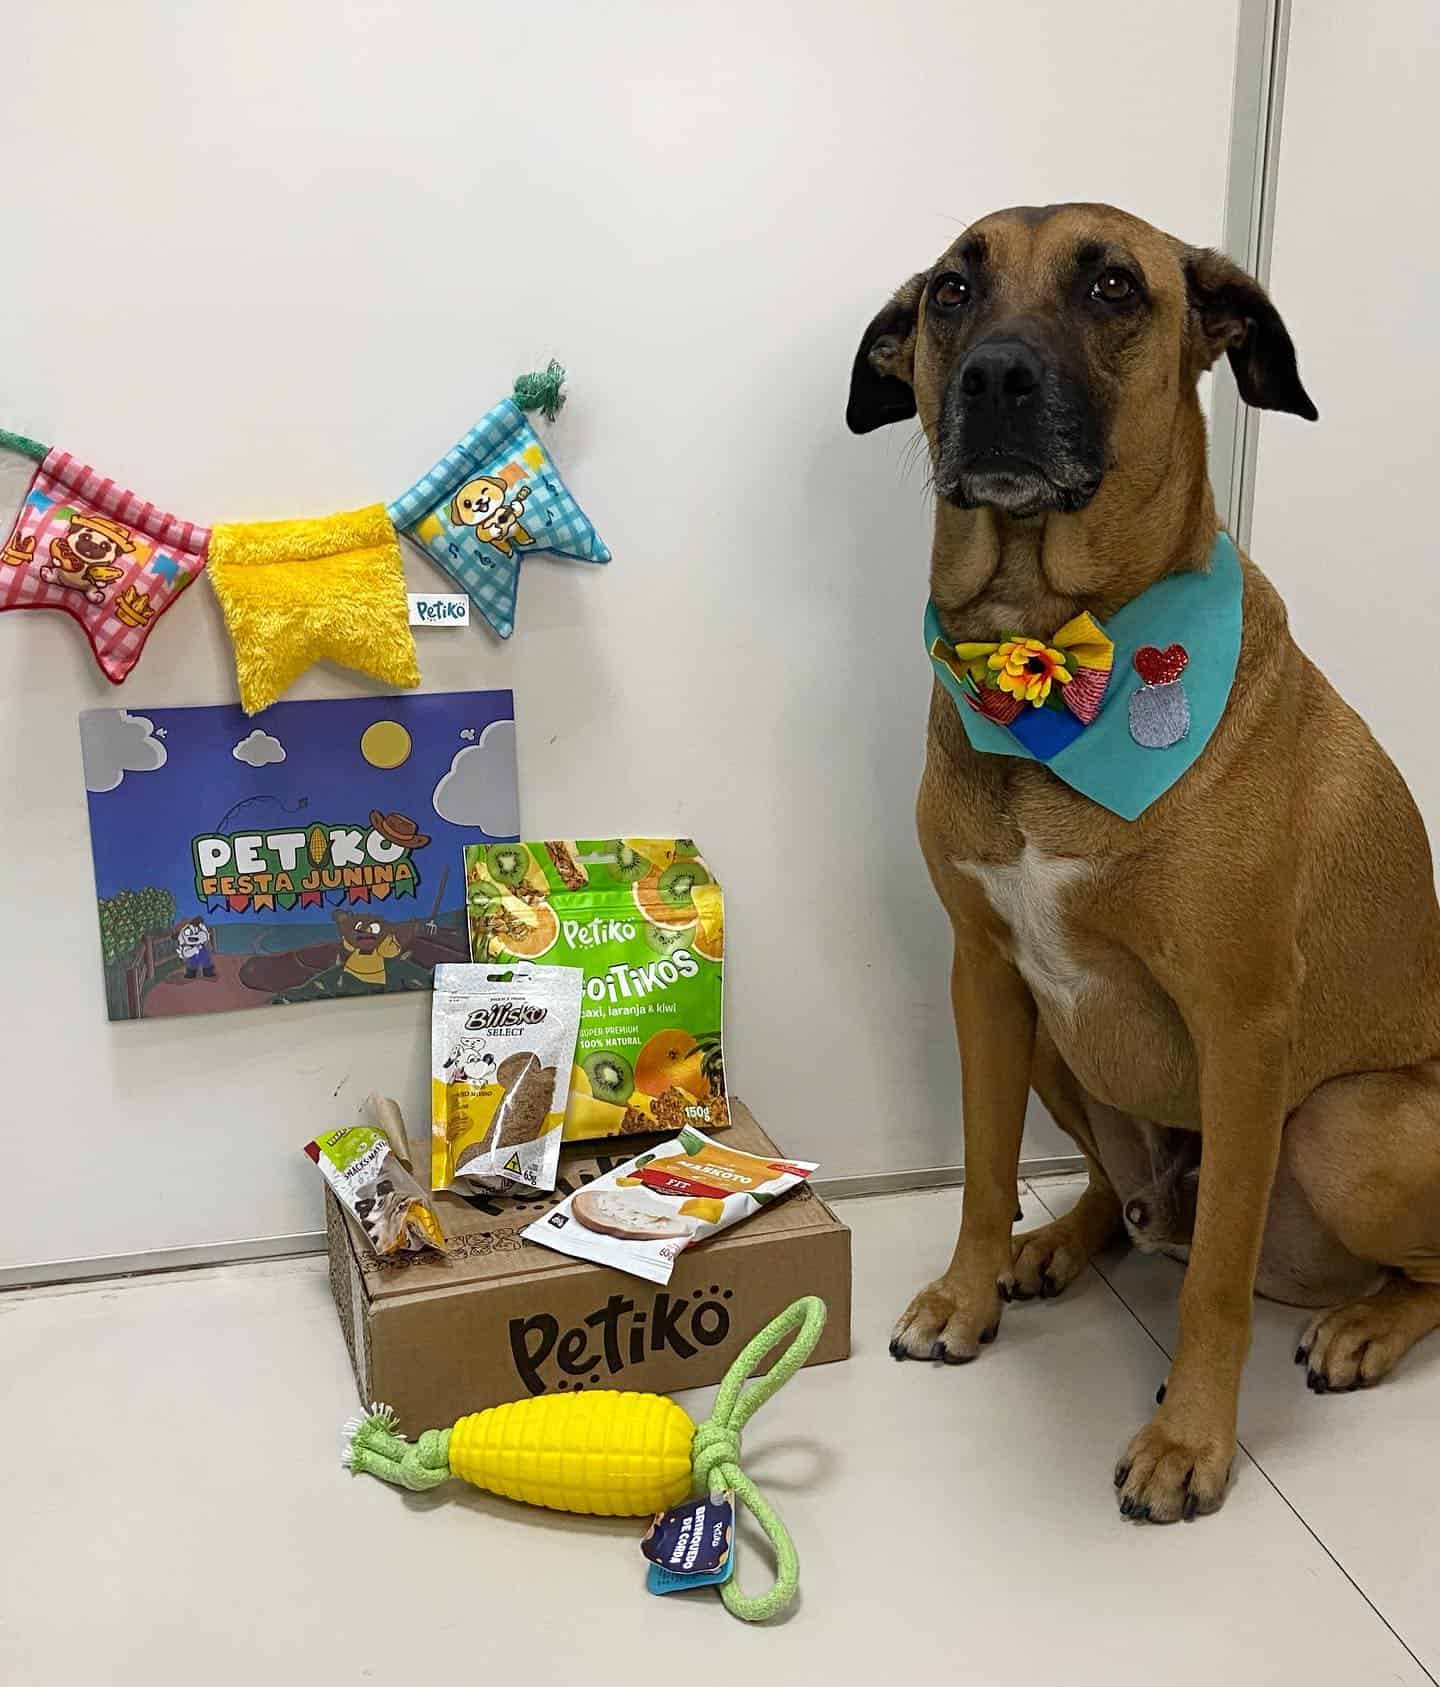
{"x":1027,"y":894}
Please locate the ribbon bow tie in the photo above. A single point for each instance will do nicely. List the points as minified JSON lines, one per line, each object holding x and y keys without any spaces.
{"x":1003,"y":678}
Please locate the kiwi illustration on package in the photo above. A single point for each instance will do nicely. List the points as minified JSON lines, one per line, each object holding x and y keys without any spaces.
{"x":502,"y":1043}
{"x":645,"y":920}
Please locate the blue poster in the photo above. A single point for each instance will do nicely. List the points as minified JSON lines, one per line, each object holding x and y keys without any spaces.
{"x":316,"y":854}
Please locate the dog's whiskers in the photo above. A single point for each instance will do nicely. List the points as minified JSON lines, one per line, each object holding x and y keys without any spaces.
{"x":917,"y":449}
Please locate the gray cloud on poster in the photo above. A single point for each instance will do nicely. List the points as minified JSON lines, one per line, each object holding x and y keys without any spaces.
{"x":113,"y":742}
{"x":259,"y":749}
{"x":479,"y":790}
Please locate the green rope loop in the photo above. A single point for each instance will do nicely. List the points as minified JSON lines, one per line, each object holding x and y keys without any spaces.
{"x":26,"y":447}
{"x":541,"y":390}
{"x":715,"y":1453}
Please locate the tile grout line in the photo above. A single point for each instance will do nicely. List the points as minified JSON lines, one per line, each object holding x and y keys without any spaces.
{"x":1269,"y":1479}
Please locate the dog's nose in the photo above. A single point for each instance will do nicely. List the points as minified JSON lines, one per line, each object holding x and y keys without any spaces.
{"x":1000,"y":372}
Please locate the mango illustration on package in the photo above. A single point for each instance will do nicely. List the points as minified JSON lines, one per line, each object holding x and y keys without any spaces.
{"x":643,"y":1215}
{"x":645,"y":920}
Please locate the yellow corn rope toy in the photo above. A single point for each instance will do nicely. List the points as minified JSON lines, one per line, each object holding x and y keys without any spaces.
{"x":611,"y":1454}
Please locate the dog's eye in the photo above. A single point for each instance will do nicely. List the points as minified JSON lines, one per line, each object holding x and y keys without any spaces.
{"x":1112,"y":286}
{"x":950,"y":292}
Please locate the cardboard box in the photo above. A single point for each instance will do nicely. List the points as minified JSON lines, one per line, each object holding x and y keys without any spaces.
{"x":500,"y":1318}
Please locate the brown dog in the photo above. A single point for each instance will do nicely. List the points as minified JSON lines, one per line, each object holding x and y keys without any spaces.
{"x":1255,"y":958}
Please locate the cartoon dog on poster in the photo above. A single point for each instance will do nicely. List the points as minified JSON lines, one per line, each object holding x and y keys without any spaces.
{"x":195,"y":947}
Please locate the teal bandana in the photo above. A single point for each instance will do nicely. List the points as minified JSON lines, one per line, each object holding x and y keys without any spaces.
{"x":1151,"y":723}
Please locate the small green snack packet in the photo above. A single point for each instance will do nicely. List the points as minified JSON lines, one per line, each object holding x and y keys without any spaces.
{"x":362,"y":1168}
{"x":645,"y":920}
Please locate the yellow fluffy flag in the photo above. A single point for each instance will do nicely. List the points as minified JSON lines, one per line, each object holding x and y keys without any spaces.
{"x":297,"y":592}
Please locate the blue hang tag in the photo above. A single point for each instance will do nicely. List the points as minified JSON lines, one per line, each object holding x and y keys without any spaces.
{"x":691,"y":1545}
{"x":658,"y":1580}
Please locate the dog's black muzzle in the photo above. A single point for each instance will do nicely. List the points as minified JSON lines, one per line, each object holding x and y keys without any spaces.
{"x":1018,"y":431}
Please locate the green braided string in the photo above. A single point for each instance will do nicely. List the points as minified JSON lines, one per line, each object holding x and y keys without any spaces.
{"x":26,"y":447}
{"x":541,"y":390}
{"x":374,"y":1444}
{"x":715,"y":1454}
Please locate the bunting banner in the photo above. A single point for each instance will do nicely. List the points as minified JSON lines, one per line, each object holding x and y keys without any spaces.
{"x":292,"y":592}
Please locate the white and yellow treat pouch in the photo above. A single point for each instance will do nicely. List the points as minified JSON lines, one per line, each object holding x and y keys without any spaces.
{"x":502,"y":1043}
{"x":642,"y":1216}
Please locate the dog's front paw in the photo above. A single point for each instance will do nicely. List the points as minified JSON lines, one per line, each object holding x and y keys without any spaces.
{"x":950,"y":1319}
{"x":1168,"y":1473}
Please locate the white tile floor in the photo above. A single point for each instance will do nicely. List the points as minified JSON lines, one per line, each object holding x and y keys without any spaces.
{"x":173,"y":1512}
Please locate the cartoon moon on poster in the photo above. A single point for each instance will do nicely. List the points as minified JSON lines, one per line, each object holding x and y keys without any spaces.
{"x":317,"y":855}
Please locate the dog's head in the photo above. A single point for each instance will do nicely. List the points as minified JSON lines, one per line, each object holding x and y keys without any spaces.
{"x":383,"y":1212}
{"x":97,"y":540}
{"x":363,"y":934}
{"x":1049,"y":349}
{"x":477,"y":500}
{"x":470,"y":1062}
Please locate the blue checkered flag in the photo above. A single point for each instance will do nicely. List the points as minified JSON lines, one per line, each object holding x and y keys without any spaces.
{"x":495,"y":498}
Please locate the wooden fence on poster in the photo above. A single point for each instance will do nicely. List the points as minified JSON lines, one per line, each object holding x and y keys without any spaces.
{"x":126,"y":981}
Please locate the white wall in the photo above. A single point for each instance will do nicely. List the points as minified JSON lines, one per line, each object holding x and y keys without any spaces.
{"x":269,"y":260}
{"x":1344,"y":516}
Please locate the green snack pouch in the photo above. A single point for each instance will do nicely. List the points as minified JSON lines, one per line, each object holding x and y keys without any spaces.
{"x":644,"y":918}
{"x":373,"y":1185}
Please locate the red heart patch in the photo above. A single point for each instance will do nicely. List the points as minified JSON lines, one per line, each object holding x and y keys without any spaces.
{"x":1161,"y":667}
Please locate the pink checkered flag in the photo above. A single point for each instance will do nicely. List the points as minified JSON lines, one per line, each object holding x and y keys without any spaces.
{"x":93,"y":550}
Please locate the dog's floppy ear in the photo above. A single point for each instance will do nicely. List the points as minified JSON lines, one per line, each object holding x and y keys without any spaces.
{"x":880,"y":389}
{"x":1231,"y":312}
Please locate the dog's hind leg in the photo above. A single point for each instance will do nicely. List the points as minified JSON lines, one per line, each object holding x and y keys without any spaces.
{"x":1366,"y":1152}
{"x":1354,"y":1345}
{"x":1047,"y":1260}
